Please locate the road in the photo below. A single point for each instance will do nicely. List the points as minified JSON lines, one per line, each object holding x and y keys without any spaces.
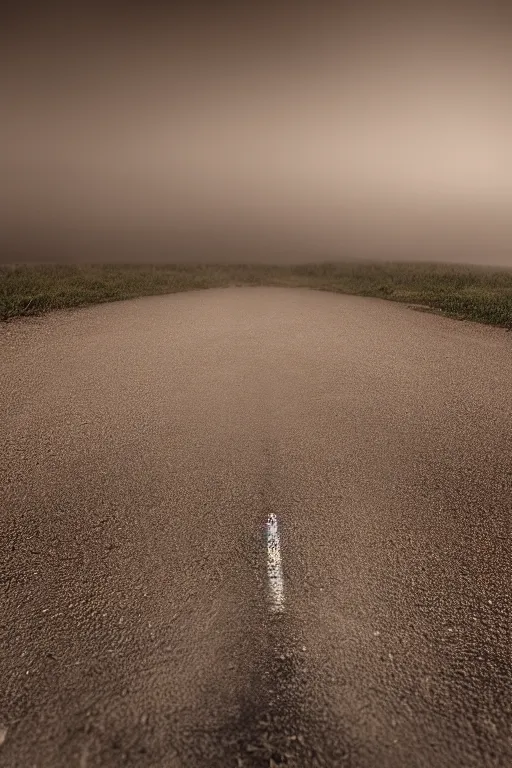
{"x":255,"y":526}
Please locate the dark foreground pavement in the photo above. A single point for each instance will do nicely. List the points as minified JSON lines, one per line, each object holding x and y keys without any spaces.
{"x":254,"y":527}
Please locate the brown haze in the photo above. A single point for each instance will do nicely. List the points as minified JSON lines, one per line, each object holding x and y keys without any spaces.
{"x":300,"y":133}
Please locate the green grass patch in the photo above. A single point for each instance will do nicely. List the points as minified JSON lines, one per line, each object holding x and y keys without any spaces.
{"x":472,"y":293}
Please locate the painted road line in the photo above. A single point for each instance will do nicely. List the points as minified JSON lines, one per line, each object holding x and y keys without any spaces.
{"x":274,"y":566}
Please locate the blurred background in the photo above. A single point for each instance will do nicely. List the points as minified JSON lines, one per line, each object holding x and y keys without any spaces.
{"x":278,"y":132}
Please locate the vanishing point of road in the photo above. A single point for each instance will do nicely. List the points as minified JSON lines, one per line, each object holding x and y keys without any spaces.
{"x":255,"y":527}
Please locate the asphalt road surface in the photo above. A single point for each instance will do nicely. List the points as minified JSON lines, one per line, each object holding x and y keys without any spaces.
{"x":255,"y":527}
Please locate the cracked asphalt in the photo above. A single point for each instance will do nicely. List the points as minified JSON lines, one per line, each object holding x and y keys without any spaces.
{"x":145,"y":447}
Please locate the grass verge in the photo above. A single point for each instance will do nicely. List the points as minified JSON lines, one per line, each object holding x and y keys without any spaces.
{"x":465,"y":292}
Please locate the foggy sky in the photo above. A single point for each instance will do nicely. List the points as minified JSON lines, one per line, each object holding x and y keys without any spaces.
{"x":292,"y":130}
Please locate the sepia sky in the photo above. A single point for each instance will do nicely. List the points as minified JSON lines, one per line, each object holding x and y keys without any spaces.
{"x":273,"y":129}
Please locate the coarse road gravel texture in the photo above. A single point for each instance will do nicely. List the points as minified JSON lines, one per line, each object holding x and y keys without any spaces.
{"x":255,"y":527}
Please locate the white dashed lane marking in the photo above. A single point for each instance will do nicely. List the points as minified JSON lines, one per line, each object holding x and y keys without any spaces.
{"x":274,"y":566}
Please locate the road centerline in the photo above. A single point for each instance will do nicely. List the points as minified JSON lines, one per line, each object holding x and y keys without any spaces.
{"x":274,"y":565}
